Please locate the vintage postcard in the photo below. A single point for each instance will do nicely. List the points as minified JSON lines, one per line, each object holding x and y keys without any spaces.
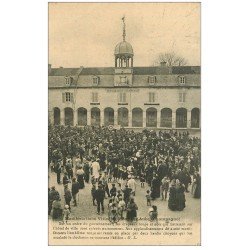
{"x":124,"y":87}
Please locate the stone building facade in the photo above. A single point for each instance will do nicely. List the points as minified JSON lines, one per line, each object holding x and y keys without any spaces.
{"x":124,"y":95}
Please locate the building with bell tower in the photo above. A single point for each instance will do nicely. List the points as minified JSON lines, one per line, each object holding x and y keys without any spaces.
{"x":124,"y":95}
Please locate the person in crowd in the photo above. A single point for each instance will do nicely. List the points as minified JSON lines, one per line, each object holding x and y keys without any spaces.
{"x":155,"y":187}
{"x":172,"y":204}
{"x":100,"y":195}
{"x":53,"y":195}
{"x":65,"y":178}
{"x":67,"y":196}
{"x":58,"y":170}
{"x":66,"y":213}
{"x":69,"y":168}
{"x":180,"y":196}
{"x":57,"y":211}
{"x":113,"y":190}
{"x":86,"y":168}
{"x":80,"y":177}
{"x":93,"y":194}
{"x":74,"y":190}
{"x":126,"y":194}
{"x":148,"y":198}
{"x":196,"y":187}
{"x":153,"y":213}
{"x":132,"y":210}
{"x":142,"y":179}
{"x":132,"y":184}
{"x":96,"y":169}
{"x":121,"y":206}
{"x":164,"y":188}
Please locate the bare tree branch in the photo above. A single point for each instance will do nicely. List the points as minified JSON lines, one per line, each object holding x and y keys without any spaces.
{"x":171,"y":59}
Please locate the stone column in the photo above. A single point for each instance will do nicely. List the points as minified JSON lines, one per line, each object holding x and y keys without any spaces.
{"x":62,"y":117}
{"x":188,"y":118}
{"x":75,"y":122}
{"x":174,"y":119}
{"x":158,"y":117}
{"x":101,"y":117}
{"x":144,"y":119}
{"x":89,"y":117}
{"x":130,"y":118}
{"x":51,"y":117}
{"x":115,"y":117}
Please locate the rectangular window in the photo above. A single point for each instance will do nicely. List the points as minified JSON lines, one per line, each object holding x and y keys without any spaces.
{"x":67,"y":97}
{"x":182,"y":97}
{"x":152,"y":80}
{"x":95,"y":80}
{"x":95,"y":97}
{"x":68,"y":80}
{"x":182,"y":80}
{"x":122,"y":97}
{"x":151,"y":97}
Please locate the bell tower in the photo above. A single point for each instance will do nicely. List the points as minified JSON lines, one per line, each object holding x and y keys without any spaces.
{"x":123,"y":61}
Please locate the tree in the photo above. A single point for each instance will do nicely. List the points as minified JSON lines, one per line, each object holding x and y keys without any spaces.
{"x":171,"y":59}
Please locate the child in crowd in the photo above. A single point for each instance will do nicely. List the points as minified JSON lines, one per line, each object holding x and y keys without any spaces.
{"x":121,"y":206}
{"x":153,"y":213}
{"x":148,"y":198}
{"x":113,"y":190}
{"x":142,"y":179}
{"x":66,"y":213}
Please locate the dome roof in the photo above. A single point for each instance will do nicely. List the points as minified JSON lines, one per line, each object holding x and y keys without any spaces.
{"x":124,"y":48}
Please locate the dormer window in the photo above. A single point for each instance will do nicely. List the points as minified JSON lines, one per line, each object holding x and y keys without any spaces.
{"x":123,"y":80}
{"x":96,"y":80}
{"x":152,"y":80}
{"x":182,"y":80}
{"x":68,"y":80}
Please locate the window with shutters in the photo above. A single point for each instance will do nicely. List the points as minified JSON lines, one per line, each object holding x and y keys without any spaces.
{"x":122,"y":97}
{"x":68,"y":80}
{"x":182,"y":97}
{"x":67,"y":97}
{"x":182,"y":80}
{"x":94,"y":97}
{"x":96,"y":80}
{"x":152,"y":80}
{"x":151,"y":97}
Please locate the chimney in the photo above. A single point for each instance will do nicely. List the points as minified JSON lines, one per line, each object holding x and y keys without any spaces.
{"x":49,"y":68}
{"x":163,"y":64}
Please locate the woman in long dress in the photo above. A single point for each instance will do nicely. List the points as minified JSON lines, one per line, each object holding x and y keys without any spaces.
{"x":172,"y":196}
{"x":132,"y":210}
{"x":180,"y":196}
{"x":80,"y":177}
{"x":196,"y":187}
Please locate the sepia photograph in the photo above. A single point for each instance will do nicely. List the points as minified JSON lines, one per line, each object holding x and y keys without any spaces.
{"x":124,"y":115}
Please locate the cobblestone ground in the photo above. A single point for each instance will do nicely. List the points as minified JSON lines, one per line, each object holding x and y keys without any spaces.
{"x":86,"y":209}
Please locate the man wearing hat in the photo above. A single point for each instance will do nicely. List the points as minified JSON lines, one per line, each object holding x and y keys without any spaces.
{"x":67,"y":195}
{"x":99,"y":195}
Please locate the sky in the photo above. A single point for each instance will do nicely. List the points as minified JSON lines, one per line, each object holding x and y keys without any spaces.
{"x":85,"y":34}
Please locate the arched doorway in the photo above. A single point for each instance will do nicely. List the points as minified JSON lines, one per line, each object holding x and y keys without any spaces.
{"x":69,"y":117}
{"x":151,"y":117}
{"x":195,"y":118}
{"x":181,"y":118}
{"x":137,"y":116}
{"x":95,"y":117}
{"x":123,"y":117}
{"x":82,"y":116}
{"x":57,"y":116}
{"x":166,"y":118}
{"x":108,"y":116}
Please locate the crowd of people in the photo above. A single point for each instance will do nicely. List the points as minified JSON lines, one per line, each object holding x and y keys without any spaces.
{"x":165,"y":162}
